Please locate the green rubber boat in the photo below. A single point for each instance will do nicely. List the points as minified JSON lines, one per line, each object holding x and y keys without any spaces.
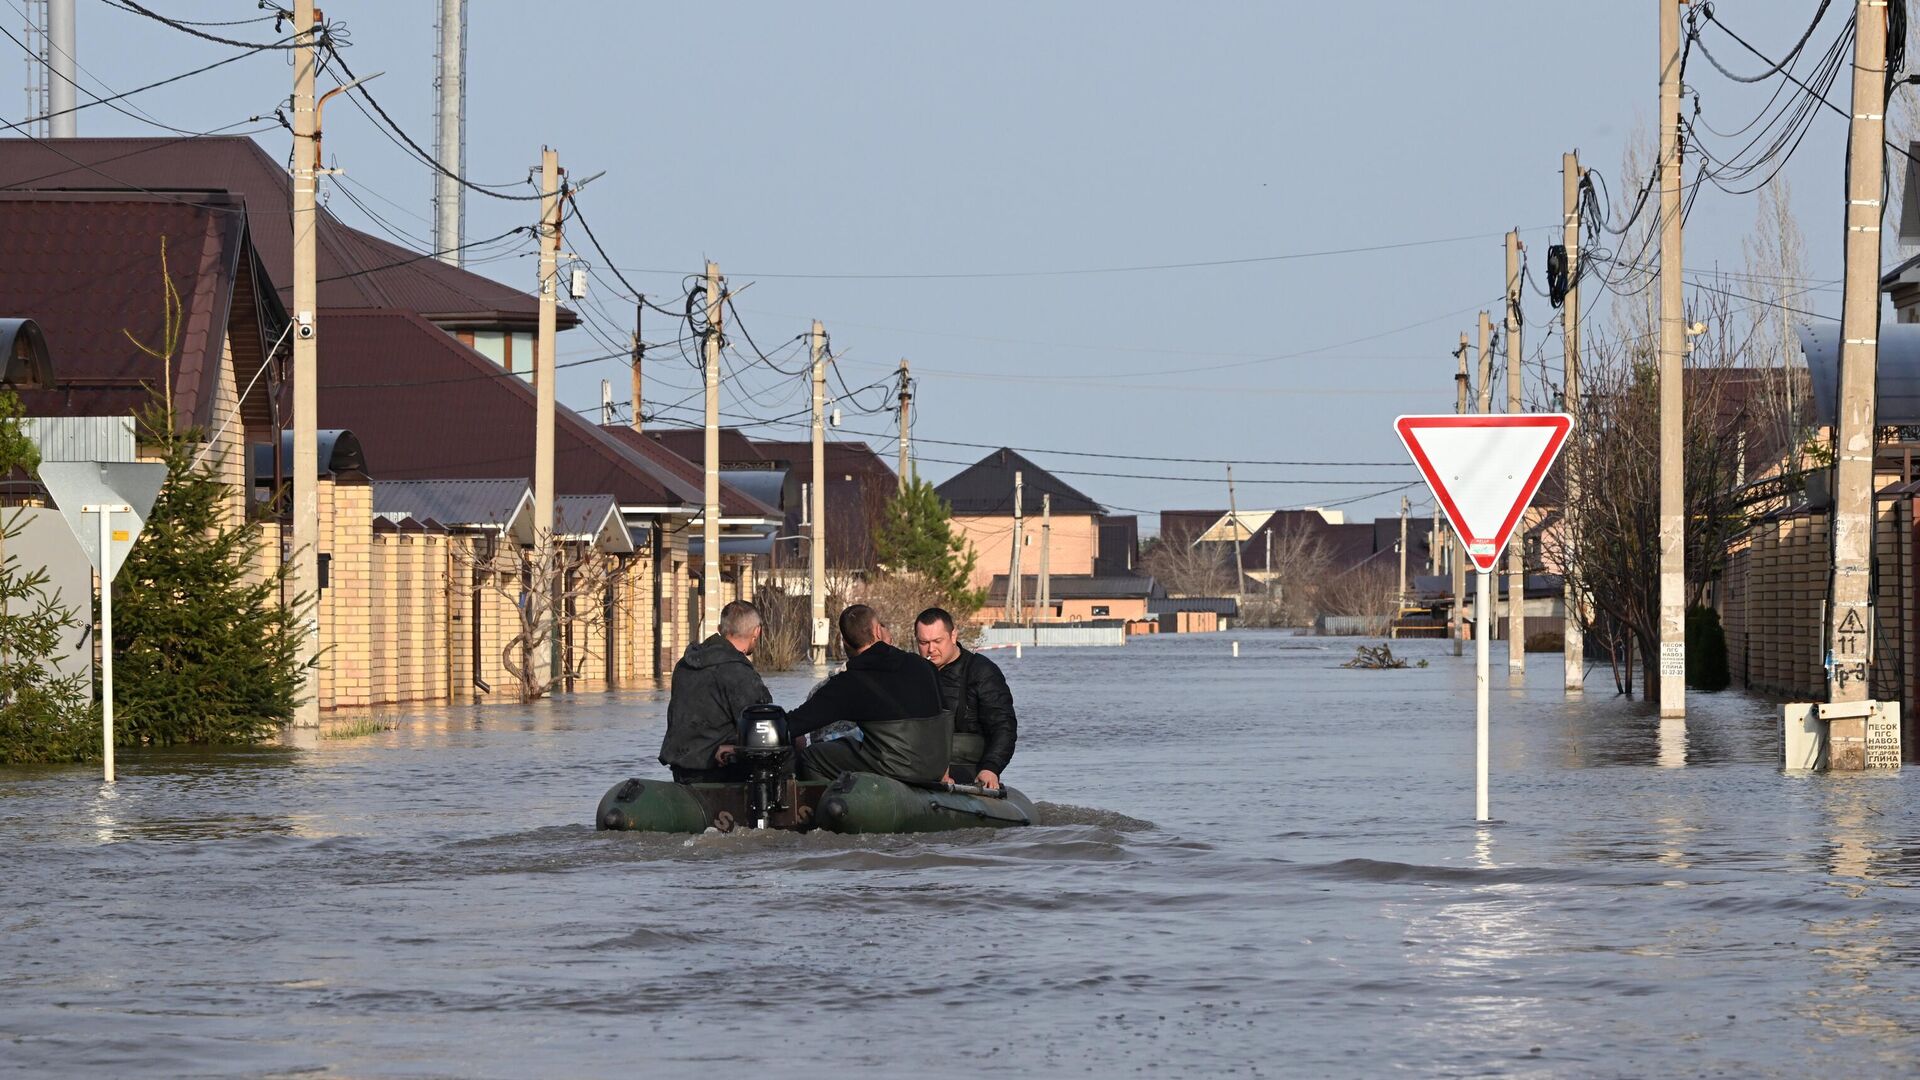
{"x":857,"y":802}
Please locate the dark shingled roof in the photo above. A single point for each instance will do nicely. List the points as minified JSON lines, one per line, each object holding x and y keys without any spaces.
{"x":86,"y":269}
{"x":428,"y":407}
{"x":1078,"y":587}
{"x":986,"y":487}
{"x":356,"y":269}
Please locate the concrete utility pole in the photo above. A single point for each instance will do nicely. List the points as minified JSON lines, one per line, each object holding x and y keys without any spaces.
{"x":639,"y":349}
{"x":1573,"y":640}
{"x":1517,"y":547}
{"x":1673,"y":350}
{"x":906,"y":423}
{"x":1233,"y":516}
{"x":817,"y":500}
{"x":1461,"y":407}
{"x":1046,"y":541}
{"x":540,"y":650}
{"x":710,"y":517}
{"x":606,"y":402}
{"x":1400,"y":598}
{"x":1016,"y":603}
{"x":306,"y":392}
{"x":62,"y":40}
{"x":1485,"y":399}
{"x":1850,"y":614}
{"x":450,"y":134}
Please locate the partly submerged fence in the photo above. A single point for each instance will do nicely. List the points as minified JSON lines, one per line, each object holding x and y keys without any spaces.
{"x":1004,"y":637}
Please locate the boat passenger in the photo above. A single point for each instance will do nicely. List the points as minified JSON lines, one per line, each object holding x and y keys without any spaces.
{"x":894,"y":699}
{"x":712,"y":683}
{"x":975,"y":694}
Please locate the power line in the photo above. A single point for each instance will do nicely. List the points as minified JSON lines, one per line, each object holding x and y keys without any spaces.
{"x":420,"y":152}
{"x":190,"y":28}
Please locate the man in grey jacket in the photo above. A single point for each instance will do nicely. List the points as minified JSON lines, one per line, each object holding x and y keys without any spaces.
{"x":711,"y":684}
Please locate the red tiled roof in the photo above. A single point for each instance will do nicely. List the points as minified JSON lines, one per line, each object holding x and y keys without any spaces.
{"x":733,"y":501}
{"x":428,"y":407}
{"x":356,"y":270}
{"x":86,"y":267}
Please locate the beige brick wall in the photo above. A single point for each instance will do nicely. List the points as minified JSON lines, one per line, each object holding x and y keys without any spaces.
{"x":346,"y":535}
{"x":1071,"y":550}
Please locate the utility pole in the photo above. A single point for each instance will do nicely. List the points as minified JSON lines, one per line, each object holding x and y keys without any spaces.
{"x":640,"y":360}
{"x":606,"y":402}
{"x":1400,"y":598}
{"x":710,"y":517}
{"x":450,"y":134}
{"x":1461,"y":407}
{"x":1673,"y":348}
{"x":546,"y":581}
{"x":1516,"y":548}
{"x":1485,"y":399}
{"x":906,"y":422}
{"x":1851,"y":613}
{"x":306,"y":392}
{"x":1239,"y":560}
{"x":1573,"y":642}
{"x":1046,"y":540}
{"x":817,"y":500}
{"x":1016,"y":603}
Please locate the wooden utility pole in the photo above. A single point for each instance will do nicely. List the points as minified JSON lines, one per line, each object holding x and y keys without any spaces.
{"x":906,"y":423}
{"x":817,"y":498}
{"x":1572,"y":637}
{"x":1233,"y":516}
{"x":1517,"y":547}
{"x":546,"y":580}
{"x":1461,"y":406}
{"x":1850,"y":615}
{"x":1400,"y":598}
{"x":1016,"y":603}
{"x":1045,"y":590}
{"x":710,"y":516}
{"x":639,"y":349}
{"x":1673,"y":350}
{"x":306,"y":385}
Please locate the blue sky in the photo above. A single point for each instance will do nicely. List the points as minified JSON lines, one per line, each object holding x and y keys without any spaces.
{"x":932,"y":166}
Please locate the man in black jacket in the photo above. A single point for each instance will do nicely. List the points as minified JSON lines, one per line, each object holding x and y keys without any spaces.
{"x":975,"y":693}
{"x":893,"y":696}
{"x":711,"y":684}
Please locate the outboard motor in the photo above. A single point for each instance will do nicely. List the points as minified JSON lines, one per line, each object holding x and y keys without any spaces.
{"x":763,"y":747}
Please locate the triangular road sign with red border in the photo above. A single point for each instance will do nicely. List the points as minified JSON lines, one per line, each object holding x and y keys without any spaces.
{"x":1484,"y":470}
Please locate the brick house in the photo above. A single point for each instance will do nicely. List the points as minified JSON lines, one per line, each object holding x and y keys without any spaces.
{"x":981,"y":496}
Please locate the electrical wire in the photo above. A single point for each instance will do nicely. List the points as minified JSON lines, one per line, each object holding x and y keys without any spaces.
{"x":190,"y":28}
{"x":491,"y":190}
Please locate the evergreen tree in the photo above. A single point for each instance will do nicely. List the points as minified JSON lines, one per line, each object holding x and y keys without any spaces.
{"x":204,"y":652}
{"x":44,"y":717}
{"x":916,"y":537}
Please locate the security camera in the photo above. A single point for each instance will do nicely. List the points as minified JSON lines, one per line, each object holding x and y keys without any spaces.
{"x":303,"y":325}
{"x":305,"y":331}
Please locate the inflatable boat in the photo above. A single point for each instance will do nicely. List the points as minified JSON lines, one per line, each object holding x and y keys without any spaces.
{"x":854,"y":802}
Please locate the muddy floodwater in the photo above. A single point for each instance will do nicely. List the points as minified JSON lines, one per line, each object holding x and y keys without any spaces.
{"x":1259,"y":867}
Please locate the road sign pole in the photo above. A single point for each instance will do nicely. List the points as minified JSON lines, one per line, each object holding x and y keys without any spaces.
{"x":1482,"y":630}
{"x":106,"y":512}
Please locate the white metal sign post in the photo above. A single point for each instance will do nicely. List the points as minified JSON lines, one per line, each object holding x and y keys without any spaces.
{"x":1484,"y":470}
{"x":106,"y":512}
{"x":104,"y":488}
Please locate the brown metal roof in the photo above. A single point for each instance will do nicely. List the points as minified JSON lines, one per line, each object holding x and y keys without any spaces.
{"x":733,"y":501}
{"x":736,"y":450}
{"x":428,"y":407}
{"x":86,"y":268}
{"x":356,"y":270}
{"x":844,"y":458}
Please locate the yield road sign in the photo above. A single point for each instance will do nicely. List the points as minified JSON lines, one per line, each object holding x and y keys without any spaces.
{"x":1484,"y":470}
{"x":81,"y":486}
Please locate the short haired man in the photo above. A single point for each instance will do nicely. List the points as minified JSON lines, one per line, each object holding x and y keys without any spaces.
{"x":975,"y":694}
{"x":712,"y":683}
{"x":893,"y":696}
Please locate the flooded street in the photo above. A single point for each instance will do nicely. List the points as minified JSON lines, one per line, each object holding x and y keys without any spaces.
{"x":1262,"y":866}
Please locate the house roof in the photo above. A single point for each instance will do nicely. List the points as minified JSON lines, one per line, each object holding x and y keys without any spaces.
{"x":456,"y":504}
{"x":986,"y":488}
{"x":1182,"y":526}
{"x":1078,"y":587}
{"x":690,"y":443}
{"x":735,"y":502}
{"x":1168,"y":605}
{"x":86,"y":269}
{"x":844,"y":458}
{"x":355,"y":269}
{"x":428,"y":407}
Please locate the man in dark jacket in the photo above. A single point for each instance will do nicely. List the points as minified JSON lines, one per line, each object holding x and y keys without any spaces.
{"x":893,"y":696}
{"x":975,"y":693}
{"x":711,"y":684}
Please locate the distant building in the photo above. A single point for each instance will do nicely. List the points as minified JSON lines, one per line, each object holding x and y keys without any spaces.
{"x":982,"y":499}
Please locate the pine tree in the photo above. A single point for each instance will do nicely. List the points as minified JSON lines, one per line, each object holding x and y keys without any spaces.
{"x":204,"y":652}
{"x":916,"y":537}
{"x":44,"y":717}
